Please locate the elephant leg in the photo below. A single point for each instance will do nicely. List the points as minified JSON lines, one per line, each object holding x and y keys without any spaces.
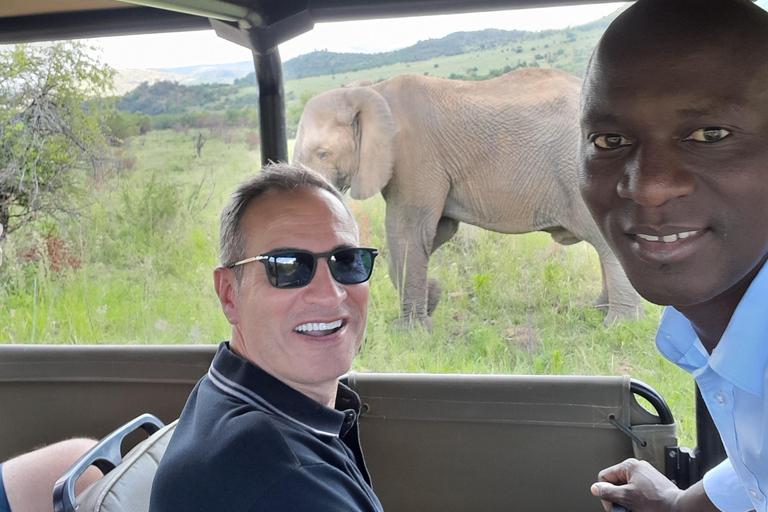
{"x":434,"y":292}
{"x":602,"y":300}
{"x":446,"y":228}
{"x":624,"y":302}
{"x":617,"y":297}
{"x":410,"y":237}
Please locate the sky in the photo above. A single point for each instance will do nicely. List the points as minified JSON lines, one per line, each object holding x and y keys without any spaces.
{"x":204,"y":47}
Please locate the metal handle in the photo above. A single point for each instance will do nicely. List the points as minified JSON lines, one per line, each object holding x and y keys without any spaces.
{"x":105,"y":456}
{"x":654,"y":397}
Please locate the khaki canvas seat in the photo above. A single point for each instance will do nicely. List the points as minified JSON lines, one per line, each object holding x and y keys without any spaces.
{"x":467,"y":443}
{"x":127,"y":487}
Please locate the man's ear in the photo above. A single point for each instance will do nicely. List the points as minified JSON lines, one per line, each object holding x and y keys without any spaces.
{"x":225,"y":282}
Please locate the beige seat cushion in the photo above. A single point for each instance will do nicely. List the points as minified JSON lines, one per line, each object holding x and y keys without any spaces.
{"x":126,"y":488}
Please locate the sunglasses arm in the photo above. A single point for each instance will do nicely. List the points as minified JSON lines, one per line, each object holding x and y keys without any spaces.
{"x":248,"y":260}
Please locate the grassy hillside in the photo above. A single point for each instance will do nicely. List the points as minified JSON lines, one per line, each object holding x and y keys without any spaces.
{"x":568,"y":50}
{"x":322,"y":62}
{"x":463,"y":55}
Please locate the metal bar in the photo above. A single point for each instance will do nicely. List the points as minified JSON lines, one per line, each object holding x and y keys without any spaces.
{"x":269,"y":76}
{"x":96,"y":23}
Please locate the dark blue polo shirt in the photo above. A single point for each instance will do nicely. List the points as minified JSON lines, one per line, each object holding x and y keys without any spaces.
{"x":246,"y":442}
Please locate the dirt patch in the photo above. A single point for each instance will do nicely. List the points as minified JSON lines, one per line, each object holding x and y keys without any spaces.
{"x":524,"y":338}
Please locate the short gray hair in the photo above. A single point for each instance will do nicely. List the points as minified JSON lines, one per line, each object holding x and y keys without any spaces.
{"x":282,"y":177}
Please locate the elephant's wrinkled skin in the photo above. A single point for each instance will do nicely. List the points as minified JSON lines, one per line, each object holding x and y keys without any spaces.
{"x":499,"y":154}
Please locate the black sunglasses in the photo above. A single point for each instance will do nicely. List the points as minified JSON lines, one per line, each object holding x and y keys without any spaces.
{"x":294,"y":268}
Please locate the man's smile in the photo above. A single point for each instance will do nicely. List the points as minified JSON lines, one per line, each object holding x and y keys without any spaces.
{"x":666,"y":245}
{"x":319,"y":328}
{"x":674,"y":237}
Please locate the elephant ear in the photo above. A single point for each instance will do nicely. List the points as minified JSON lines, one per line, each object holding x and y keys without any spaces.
{"x":375,"y":132}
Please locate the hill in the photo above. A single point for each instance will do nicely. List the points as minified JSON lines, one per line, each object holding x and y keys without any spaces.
{"x":215,"y":73}
{"x":462,"y":55}
{"x":166,"y":97}
{"x":325,"y":63}
{"x":127,"y":80}
{"x":322,"y":62}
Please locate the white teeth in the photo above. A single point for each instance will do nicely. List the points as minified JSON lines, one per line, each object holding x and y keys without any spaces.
{"x":318,"y":326}
{"x":667,"y":238}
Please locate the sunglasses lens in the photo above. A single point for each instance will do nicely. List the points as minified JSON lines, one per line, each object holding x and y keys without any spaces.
{"x":291,"y":270}
{"x":351,"y":266}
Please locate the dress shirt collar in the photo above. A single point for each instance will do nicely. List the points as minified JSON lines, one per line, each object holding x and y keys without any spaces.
{"x":741,"y":356}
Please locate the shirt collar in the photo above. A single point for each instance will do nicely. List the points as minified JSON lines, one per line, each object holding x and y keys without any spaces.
{"x":242,"y":379}
{"x":741,"y":356}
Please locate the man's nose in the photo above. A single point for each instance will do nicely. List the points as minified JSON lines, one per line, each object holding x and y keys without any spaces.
{"x":654,"y":177}
{"x":324,"y":289}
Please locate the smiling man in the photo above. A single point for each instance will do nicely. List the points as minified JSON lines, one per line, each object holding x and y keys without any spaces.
{"x":674,"y":168}
{"x":270,"y":427}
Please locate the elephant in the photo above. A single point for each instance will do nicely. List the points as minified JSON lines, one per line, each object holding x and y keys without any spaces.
{"x":500,"y":154}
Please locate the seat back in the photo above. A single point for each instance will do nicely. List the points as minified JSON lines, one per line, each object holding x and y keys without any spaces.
{"x":127,"y":487}
{"x":498,"y":442}
{"x":462,"y":443}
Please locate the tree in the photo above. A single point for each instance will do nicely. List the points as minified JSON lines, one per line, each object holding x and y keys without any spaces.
{"x":52,"y":127}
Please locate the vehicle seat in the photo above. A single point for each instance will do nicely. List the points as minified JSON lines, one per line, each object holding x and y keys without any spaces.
{"x":501,"y":443}
{"x":126,"y":488}
{"x":444,"y":443}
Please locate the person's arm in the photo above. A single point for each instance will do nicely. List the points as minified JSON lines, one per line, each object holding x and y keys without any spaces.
{"x":725,"y":489}
{"x":29,"y":478}
{"x":641,"y":488}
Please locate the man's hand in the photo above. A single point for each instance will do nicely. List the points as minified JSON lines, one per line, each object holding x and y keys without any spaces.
{"x":641,"y":488}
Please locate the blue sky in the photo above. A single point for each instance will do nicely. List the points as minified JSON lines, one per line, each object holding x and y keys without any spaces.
{"x":204,"y":47}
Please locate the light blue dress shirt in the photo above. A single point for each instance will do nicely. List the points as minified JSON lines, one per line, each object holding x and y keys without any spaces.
{"x":733,"y":384}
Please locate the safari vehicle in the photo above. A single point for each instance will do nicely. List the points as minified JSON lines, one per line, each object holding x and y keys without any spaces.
{"x":432,"y":442}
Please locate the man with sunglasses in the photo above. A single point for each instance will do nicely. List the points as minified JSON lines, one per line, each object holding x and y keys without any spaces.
{"x":674,"y":169}
{"x":270,"y":427}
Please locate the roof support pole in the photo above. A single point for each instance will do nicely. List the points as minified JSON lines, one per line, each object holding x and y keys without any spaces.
{"x":263,"y":41}
{"x":269,"y":76}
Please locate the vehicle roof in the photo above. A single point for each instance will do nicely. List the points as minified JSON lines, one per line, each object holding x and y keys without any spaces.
{"x":42,"y":20}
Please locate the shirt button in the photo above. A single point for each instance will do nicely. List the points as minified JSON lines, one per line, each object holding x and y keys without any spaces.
{"x":756,"y":495}
{"x":720,"y":398}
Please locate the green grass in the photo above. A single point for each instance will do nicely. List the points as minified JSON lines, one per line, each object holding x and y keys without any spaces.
{"x":148,"y":244}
